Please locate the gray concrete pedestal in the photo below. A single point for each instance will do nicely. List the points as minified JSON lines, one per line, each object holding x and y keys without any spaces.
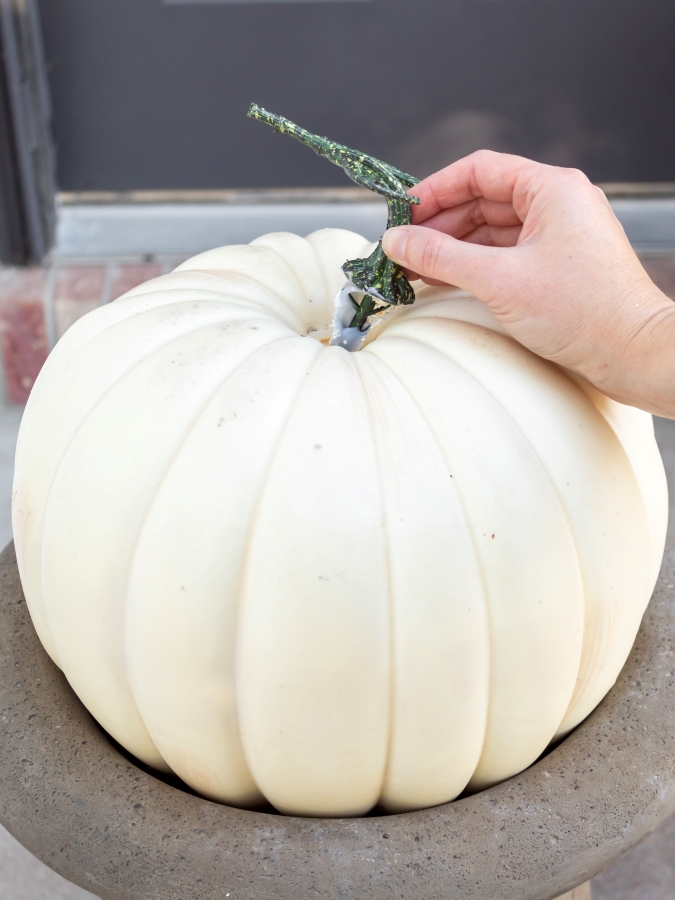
{"x":101,"y":821}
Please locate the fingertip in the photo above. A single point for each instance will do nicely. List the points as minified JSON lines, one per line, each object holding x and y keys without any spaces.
{"x":394,"y":243}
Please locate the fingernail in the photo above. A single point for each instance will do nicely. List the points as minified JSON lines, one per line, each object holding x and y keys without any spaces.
{"x":394,"y":241}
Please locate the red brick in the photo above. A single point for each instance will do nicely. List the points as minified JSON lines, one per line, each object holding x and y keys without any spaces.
{"x":128,"y":277}
{"x":23,"y":335}
{"x":77,"y":291}
{"x":83,"y":283}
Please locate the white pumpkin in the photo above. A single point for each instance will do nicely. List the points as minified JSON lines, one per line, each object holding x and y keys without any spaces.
{"x":328,"y":579}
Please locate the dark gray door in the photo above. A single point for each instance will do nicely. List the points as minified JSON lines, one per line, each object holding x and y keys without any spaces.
{"x":152,"y":95}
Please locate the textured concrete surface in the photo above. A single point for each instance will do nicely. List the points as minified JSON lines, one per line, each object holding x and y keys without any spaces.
{"x":665,"y":435}
{"x":646,"y":873}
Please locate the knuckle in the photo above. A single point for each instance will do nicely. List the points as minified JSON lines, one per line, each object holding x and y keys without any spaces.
{"x":431,"y":254}
{"x":482,"y":158}
{"x":483,"y":153}
{"x":577,"y":177}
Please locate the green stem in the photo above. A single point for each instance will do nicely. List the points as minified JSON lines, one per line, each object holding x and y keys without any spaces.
{"x":381,"y":280}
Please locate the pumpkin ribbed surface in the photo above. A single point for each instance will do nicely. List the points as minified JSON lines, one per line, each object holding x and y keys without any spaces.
{"x":328,"y":579}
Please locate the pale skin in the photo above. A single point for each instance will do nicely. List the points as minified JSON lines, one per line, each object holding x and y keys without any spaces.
{"x":542,"y":248}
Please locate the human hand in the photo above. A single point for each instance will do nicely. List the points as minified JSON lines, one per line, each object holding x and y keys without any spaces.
{"x":541,"y":246}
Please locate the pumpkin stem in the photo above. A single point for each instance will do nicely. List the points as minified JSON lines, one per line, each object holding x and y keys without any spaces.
{"x":377,"y":277}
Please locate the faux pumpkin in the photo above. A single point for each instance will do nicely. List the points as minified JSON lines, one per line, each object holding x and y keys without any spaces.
{"x":327,"y":579}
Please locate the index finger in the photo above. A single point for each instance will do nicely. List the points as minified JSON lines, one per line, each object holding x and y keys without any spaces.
{"x":494,"y":176}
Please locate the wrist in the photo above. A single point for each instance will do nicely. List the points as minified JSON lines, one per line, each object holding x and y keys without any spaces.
{"x":642,"y":371}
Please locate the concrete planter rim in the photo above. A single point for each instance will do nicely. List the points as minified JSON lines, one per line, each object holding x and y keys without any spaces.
{"x":75,"y":802}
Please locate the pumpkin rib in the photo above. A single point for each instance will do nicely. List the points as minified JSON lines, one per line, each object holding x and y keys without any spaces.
{"x":655,"y":495}
{"x":469,"y":532}
{"x":250,"y":539}
{"x":320,"y":267}
{"x":246,"y":548}
{"x":179,"y":446}
{"x":130,"y":374}
{"x":535,"y":452}
{"x":245,"y":260}
{"x":503,"y":754}
{"x":324,"y":242}
{"x":432,"y":303}
{"x":36,"y":605}
{"x":598,"y":673}
{"x":432,"y":799}
{"x":101,"y":319}
{"x":387,"y":538}
{"x":197,"y":295}
{"x":138,"y":362}
{"x":268,"y":241}
{"x":313,"y":637}
{"x":84,"y":323}
{"x":263,"y":241}
{"x":172,"y":569}
{"x":580,"y":706}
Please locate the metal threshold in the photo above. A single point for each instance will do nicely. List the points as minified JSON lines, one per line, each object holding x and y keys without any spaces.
{"x":177,"y":224}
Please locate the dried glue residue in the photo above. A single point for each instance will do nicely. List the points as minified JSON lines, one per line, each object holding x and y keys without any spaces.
{"x":344,"y":335}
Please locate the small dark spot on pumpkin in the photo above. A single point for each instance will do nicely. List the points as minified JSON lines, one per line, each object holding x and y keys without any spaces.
{"x":317,"y":446}
{"x":493,"y":535}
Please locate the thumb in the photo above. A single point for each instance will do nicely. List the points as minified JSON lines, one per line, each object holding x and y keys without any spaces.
{"x":432,"y":254}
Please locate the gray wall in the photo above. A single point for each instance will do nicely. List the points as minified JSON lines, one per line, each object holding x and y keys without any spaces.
{"x":149,"y":95}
